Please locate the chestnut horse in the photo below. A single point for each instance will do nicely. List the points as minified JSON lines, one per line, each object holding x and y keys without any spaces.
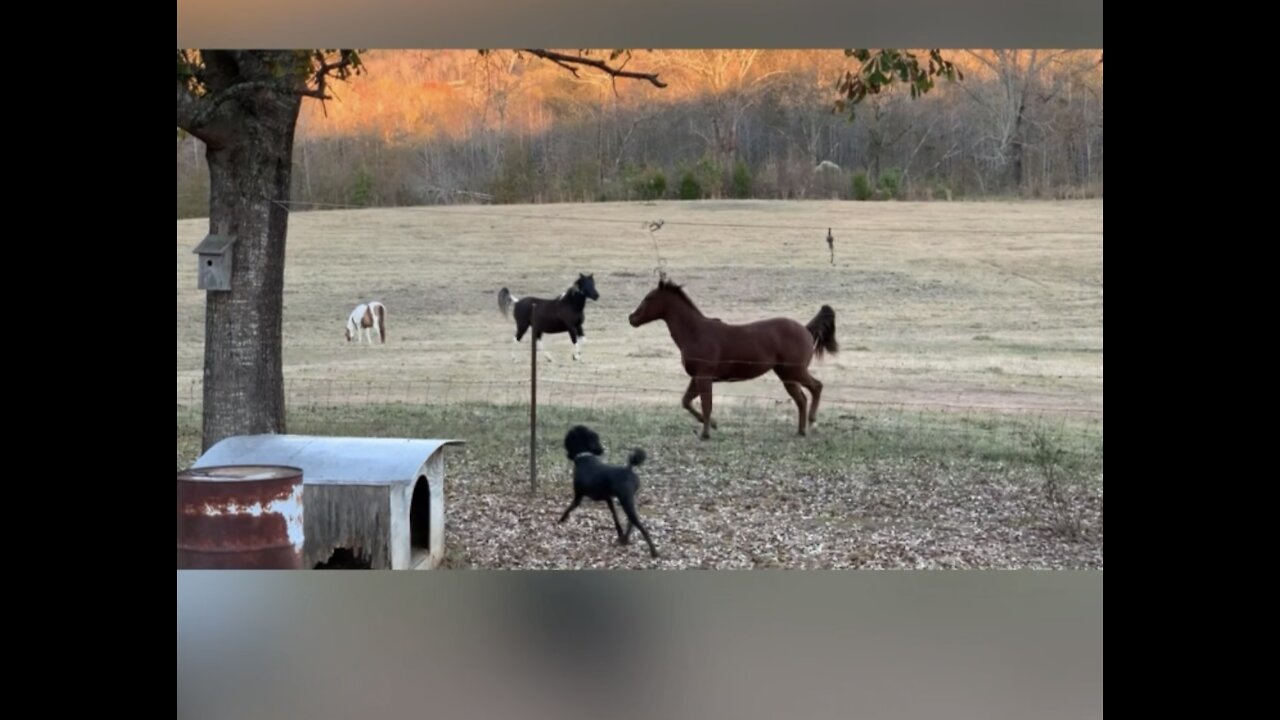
{"x":713,"y":351}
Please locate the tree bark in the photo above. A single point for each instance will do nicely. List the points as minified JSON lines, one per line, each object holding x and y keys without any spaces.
{"x":1017,"y":144}
{"x":249,"y":186}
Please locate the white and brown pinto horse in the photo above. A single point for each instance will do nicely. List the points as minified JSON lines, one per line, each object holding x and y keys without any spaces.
{"x":366,"y":319}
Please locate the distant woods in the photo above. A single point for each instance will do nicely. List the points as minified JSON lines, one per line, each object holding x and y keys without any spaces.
{"x":444,"y":127}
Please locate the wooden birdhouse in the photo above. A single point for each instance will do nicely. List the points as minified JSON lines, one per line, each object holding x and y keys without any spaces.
{"x":214,"y":266}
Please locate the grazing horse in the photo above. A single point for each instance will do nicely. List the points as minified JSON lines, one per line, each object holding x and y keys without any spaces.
{"x":367,"y":318}
{"x":561,"y":314}
{"x":714,"y":351}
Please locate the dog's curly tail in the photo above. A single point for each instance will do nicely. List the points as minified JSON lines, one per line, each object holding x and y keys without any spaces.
{"x":636,"y":458}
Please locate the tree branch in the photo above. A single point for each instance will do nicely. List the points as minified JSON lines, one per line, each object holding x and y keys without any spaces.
{"x":569,"y":61}
{"x":984,"y":60}
{"x":211,"y":103}
{"x":906,"y":169}
{"x":348,"y":61}
{"x":228,"y":75}
{"x":189,"y":107}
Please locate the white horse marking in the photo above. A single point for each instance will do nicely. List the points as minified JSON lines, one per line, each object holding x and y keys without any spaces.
{"x":366,"y":320}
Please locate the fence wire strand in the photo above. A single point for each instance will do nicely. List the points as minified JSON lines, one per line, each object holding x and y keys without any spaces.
{"x":746,"y":420}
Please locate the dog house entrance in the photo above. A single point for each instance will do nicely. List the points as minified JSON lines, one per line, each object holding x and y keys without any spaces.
{"x":420,"y":523}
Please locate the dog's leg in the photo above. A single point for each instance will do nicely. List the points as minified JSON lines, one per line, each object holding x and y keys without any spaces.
{"x":577,"y":500}
{"x":622,"y":538}
{"x":628,"y":507}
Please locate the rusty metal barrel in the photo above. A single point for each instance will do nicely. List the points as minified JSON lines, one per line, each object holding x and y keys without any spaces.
{"x":240,"y":517}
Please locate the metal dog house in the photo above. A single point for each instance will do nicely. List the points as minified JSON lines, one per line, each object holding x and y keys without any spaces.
{"x":375,"y":502}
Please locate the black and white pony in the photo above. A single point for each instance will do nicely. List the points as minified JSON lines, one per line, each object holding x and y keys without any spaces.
{"x":561,"y":314}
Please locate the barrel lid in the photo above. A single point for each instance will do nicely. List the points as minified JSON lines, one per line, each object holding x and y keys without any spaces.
{"x":238,"y":473}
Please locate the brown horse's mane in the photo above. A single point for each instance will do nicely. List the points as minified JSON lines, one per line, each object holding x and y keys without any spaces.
{"x":679,"y":293}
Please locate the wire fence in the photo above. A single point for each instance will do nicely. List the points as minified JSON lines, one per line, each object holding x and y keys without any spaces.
{"x":481,"y":211}
{"x":453,"y":408}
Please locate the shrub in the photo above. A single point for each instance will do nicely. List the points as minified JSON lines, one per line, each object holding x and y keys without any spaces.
{"x":861,"y":187}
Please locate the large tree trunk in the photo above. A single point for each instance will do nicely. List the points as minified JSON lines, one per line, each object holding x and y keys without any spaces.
{"x":249,"y":190}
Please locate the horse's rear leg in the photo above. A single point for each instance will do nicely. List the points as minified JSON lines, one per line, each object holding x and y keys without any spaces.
{"x":704,"y":389}
{"x":537,"y":339}
{"x":815,"y":388}
{"x":792,"y":384}
{"x":687,"y":402}
{"x":521,"y":329}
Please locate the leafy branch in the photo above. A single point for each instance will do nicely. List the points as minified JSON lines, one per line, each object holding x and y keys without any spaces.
{"x":880,"y":69}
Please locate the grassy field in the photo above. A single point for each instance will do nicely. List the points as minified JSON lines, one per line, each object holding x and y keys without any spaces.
{"x":970,"y":372}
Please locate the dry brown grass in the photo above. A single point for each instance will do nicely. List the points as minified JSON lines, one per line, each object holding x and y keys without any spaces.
{"x":970,"y":304}
{"x":992,"y":305}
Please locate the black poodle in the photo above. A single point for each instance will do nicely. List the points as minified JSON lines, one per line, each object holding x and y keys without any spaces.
{"x":593,"y":479}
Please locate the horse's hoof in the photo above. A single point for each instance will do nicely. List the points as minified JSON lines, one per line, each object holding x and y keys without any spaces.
{"x":653,"y":554}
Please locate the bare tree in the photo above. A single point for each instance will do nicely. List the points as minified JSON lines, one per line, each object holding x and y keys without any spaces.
{"x":244,"y":105}
{"x":1018,"y":83}
{"x":735,"y":84}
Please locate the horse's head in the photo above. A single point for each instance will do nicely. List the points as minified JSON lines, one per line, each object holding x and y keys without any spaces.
{"x":586,"y":285}
{"x":654,"y":305}
{"x":351,"y":330}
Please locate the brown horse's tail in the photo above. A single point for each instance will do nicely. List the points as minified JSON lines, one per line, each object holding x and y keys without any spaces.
{"x":382,"y":321}
{"x":505,"y":301}
{"x":823,"y":329}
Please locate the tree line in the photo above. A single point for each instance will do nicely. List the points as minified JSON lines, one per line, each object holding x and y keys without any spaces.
{"x":444,"y":127}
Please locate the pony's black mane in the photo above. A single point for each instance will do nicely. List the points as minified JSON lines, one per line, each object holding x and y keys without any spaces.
{"x":574,"y":298}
